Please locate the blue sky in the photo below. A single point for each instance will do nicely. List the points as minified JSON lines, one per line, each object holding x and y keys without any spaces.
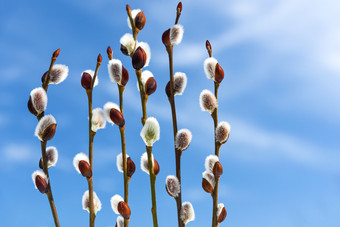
{"x":280,"y":94}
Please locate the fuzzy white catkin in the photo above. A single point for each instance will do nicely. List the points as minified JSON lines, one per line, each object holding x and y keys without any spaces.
{"x":183,"y":139}
{"x":222,"y":132}
{"x":120,"y":221}
{"x":115,"y":200}
{"x":107,"y":108}
{"x":44,"y":123}
{"x":40,"y":173}
{"x":115,"y":69}
{"x":128,"y":42}
{"x":176,"y":34}
{"x":134,"y":13}
{"x":119,"y":162}
{"x":220,"y":207}
{"x":96,"y":202}
{"x":52,"y":156}
{"x":145,"y":46}
{"x":210,"y":162}
{"x":79,"y":157}
{"x":91,"y":72}
{"x":172,"y":185}
{"x":58,"y":74}
{"x":187,"y":212}
{"x":210,"y":67}
{"x":39,"y":99}
{"x":180,"y":83}
{"x":209,"y":177}
{"x":144,"y":164}
{"x":208,"y":101}
{"x":98,"y":119}
{"x":150,"y":132}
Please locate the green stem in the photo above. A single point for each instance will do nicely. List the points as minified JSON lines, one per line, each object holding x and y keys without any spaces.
{"x":174,"y":125}
{"x":143,"y":96}
{"x":49,"y":193}
{"x":152,"y":184}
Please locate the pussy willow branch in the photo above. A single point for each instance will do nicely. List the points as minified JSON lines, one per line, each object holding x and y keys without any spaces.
{"x":43,"y":152}
{"x":214,"y":116}
{"x":174,"y":124}
{"x":152,"y":184}
{"x":122,"y":137}
{"x":91,"y":138}
{"x":144,"y":99}
{"x":178,"y":153}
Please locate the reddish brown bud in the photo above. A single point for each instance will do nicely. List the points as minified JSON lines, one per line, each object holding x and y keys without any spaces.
{"x":56,"y":53}
{"x":31,"y":107}
{"x":179,"y":7}
{"x":99,"y":58}
{"x":131,"y":167}
{"x":124,"y":210}
{"x":156,"y":168}
{"x":85,"y":169}
{"x":41,"y":184}
{"x":86,"y":80}
{"x":41,"y":164}
{"x":49,"y":132}
{"x":150,"y":86}
{"x":208,"y":46}
{"x":218,"y":169}
{"x":117,"y":117}
{"x":128,"y":9}
{"x":109,"y":52}
{"x":167,"y":89}
{"x":207,"y":186}
{"x":124,"y":50}
{"x":219,"y":73}
{"x":166,"y":38}
{"x":125,"y":76}
{"x":222,"y":216}
{"x":139,"y":58}
{"x":43,"y":78}
{"x":140,"y":20}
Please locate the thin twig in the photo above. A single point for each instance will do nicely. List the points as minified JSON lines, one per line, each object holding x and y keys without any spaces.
{"x":174,"y":124}
{"x":152,"y":184}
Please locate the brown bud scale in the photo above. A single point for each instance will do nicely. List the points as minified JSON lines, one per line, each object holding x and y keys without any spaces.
{"x":124,"y":210}
{"x":219,"y":73}
{"x":222,"y":216}
{"x":117,"y":117}
{"x":131,"y":167}
{"x":41,"y":184}
{"x":207,"y":186}
{"x":139,"y":58}
{"x":49,"y":132}
{"x":140,"y":20}
{"x":85,"y":169}
{"x":218,"y":169}
{"x":86,"y":81}
{"x":150,"y":86}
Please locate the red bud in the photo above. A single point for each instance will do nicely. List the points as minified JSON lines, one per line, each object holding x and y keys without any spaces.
{"x":140,"y":20}
{"x":56,"y":53}
{"x":150,"y":86}
{"x":124,"y":50}
{"x":125,"y":76}
{"x":117,"y":117}
{"x":179,"y":7}
{"x":139,"y":58}
{"x":218,"y":169}
{"x":99,"y":58}
{"x":85,"y":169}
{"x":131,"y":167}
{"x":222,"y":216}
{"x":207,"y":186}
{"x":49,"y":132}
{"x":219,"y":73}
{"x":41,"y":184}
{"x":166,"y":38}
{"x":86,"y":81}
{"x":109,"y":52}
{"x":124,"y":210}
{"x":156,"y":167}
{"x":31,"y":107}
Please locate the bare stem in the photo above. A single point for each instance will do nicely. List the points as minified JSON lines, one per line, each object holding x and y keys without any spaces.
{"x":143,"y":96}
{"x":174,"y":124}
{"x":152,"y":184}
{"x":49,"y":193}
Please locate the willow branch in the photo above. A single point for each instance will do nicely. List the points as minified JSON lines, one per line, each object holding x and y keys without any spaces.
{"x":152,"y":184}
